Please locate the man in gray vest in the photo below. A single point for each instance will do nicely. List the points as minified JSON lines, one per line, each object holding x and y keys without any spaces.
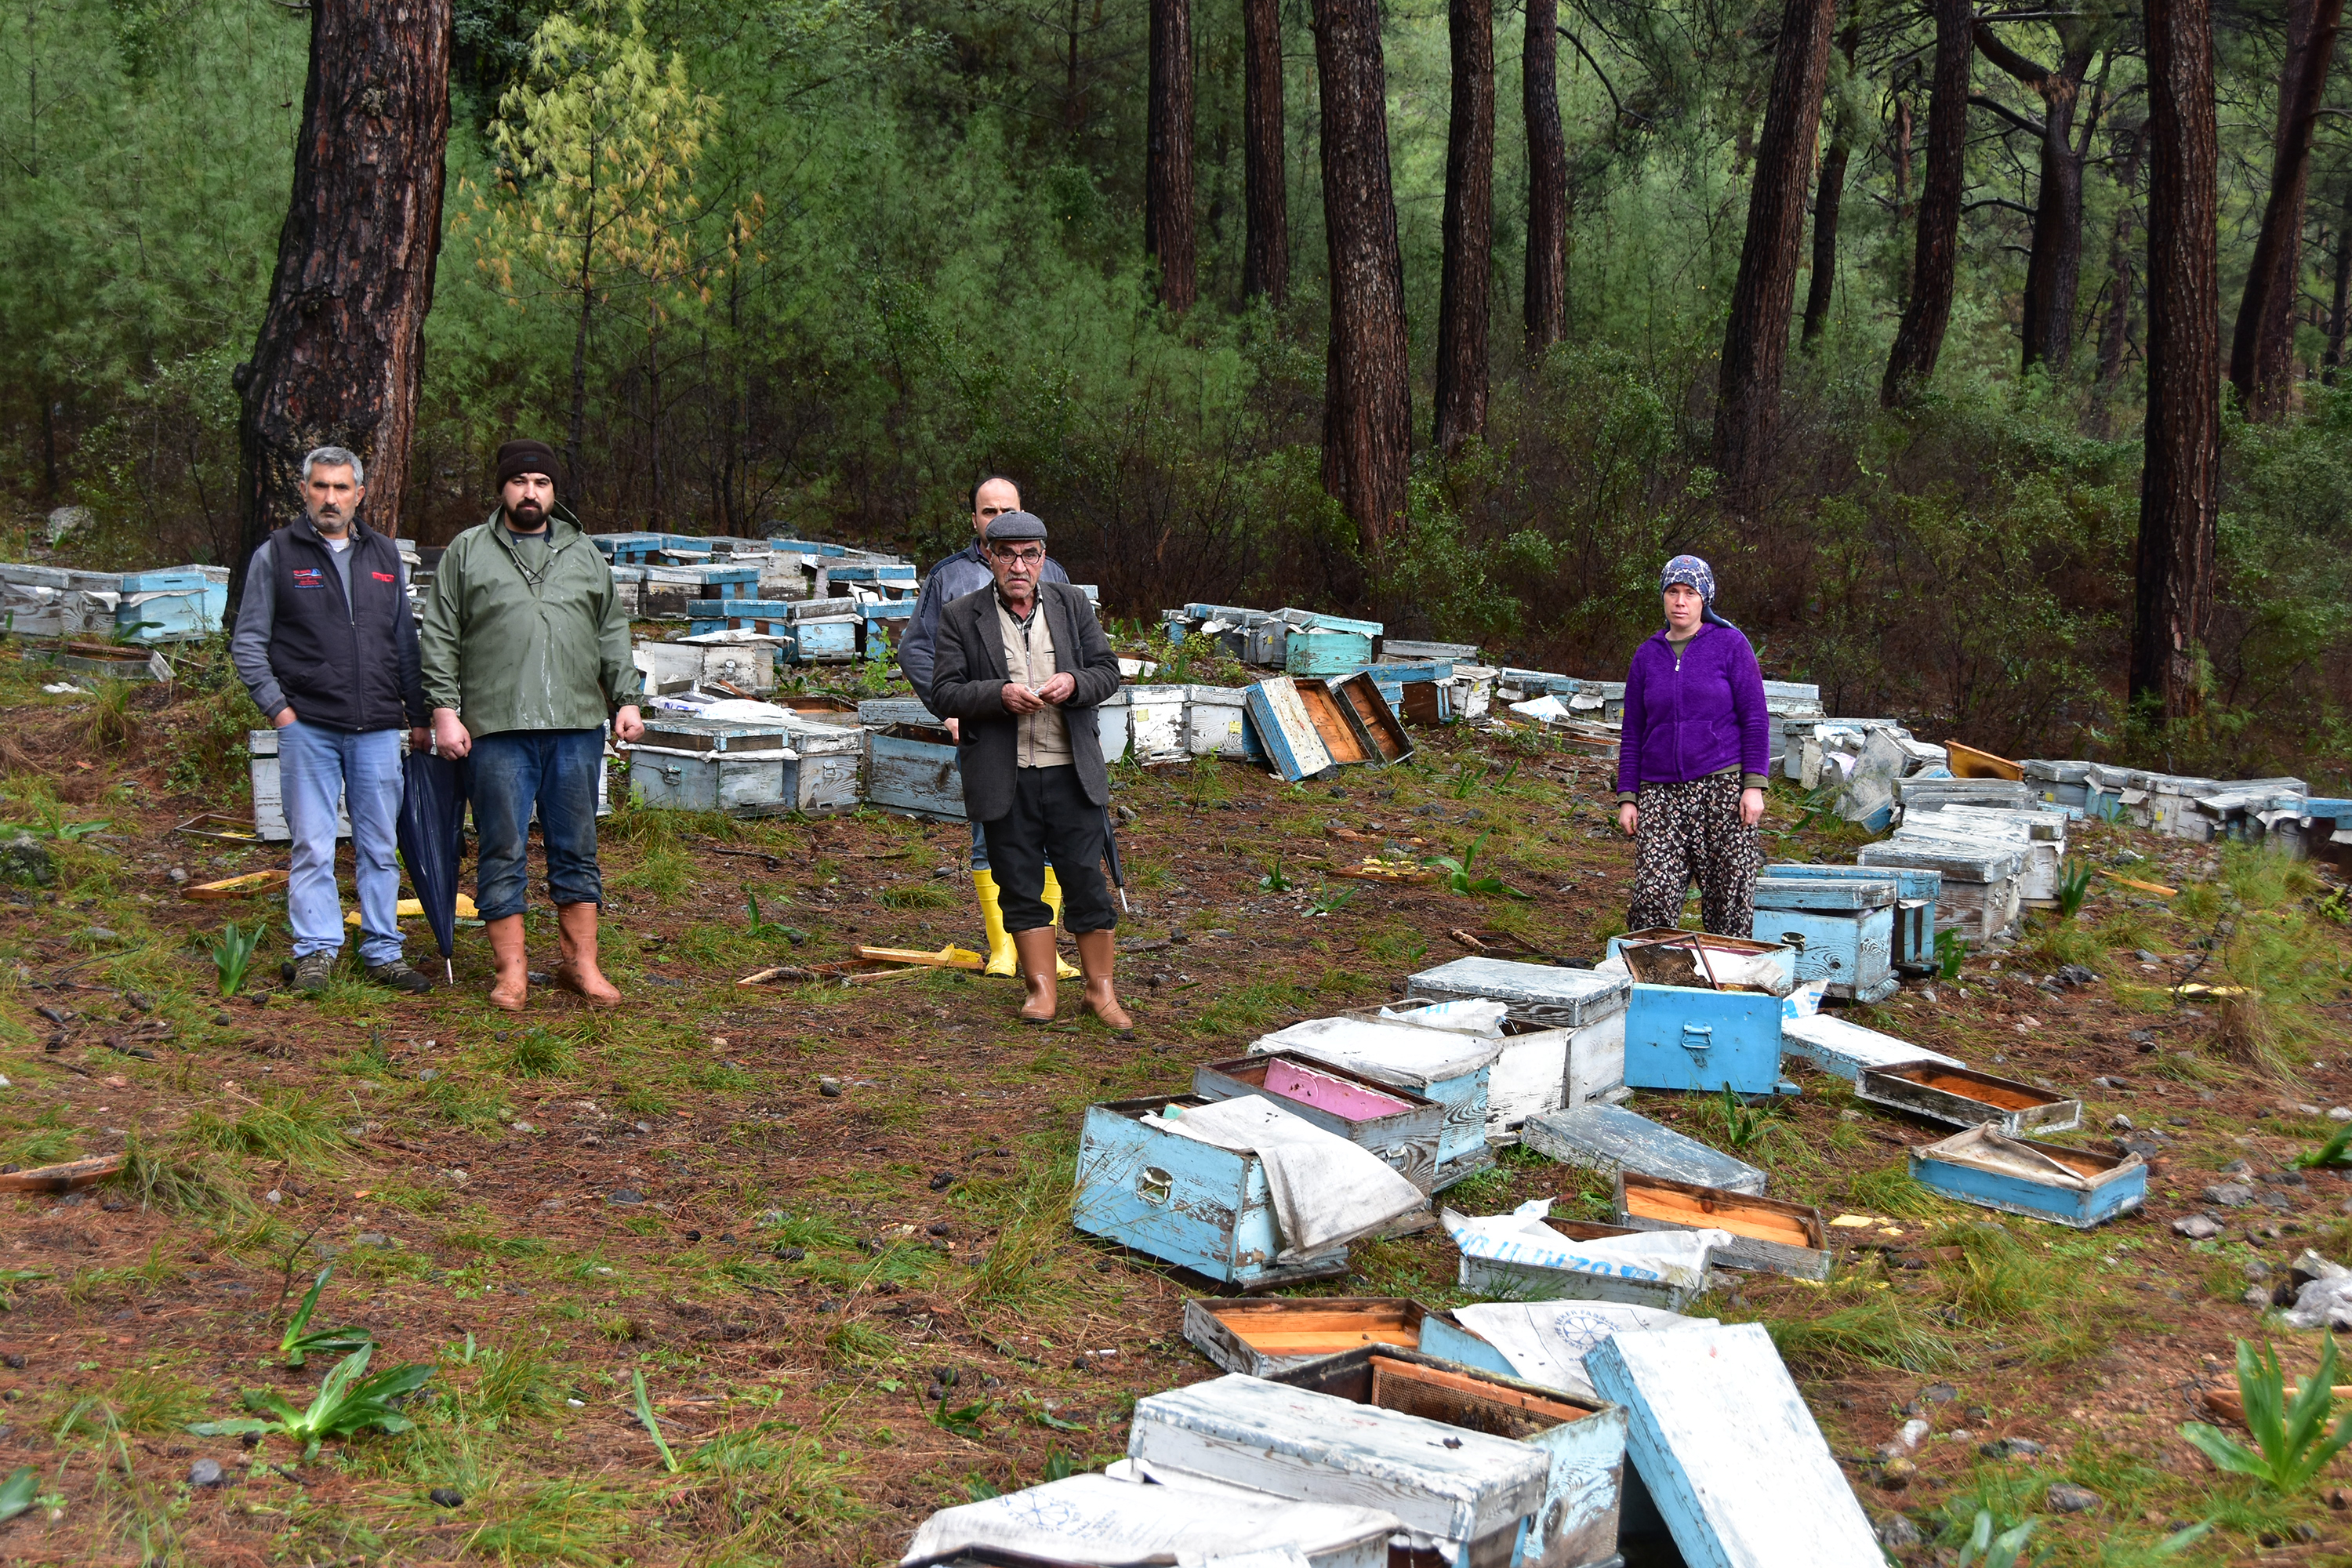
{"x":326,"y":643}
{"x":1022,"y":665}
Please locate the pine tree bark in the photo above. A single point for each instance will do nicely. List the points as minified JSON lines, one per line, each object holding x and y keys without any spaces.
{"x":1265,"y":251}
{"x":1934,"y":252}
{"x":1829,"y":200}
{"x":1168,"y":227}
{"x":2115,"y":330}
{"x":2261,"y":349}
{"x":1756,"y":338}
{"x":1366,"y":398}
{"x":1466,"y":274}
{"x":2331,"y":359}
{"x":2054,"y":274}
{"x":1546,"y":281}
{"x":340,"y":354}
{"x":2180,"y":472}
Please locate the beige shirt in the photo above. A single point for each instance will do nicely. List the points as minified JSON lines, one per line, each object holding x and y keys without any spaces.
{"x":1044,"y":741}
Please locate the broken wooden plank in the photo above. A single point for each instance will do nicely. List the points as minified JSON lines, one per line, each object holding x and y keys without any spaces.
{"x":245,"y":887}
{"x":1730,"y":1456}
{"x":1292,"y":743}
{"x":68,"y":1176}
{"x":948,"y":957}
{"x":1967,"y":762}
{"x":1836,"y":1046}
{"x":1508,"y":1279}
{"x":2158,"y":889}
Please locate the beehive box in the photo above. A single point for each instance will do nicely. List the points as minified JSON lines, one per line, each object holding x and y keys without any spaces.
{"x":1548,"y":996}
{"x":1540,"y":1069}
{"x":1843,"y":1049}
{"x":2079,"y":1187}
{"x":1399,"y":1126}
{"x":1842,"y":930}
{"x":1915,"y":891}
{"x":1263,"y":1336}
{"x":1977,"y":883}
{"x":1088,"y":1521}
{"x":912,"y":768}
{"x":1576,"y":1524}
{"x":1609,"y":1138}
{"x":1182,"y":1200}
{"x":1451,"y":1069}
{"x":1375,"y":720}
{"x":1963,"y":1097}
{"x":1693,"y":1039}
{"x":1216,"y":718}
{"x":1293,"y":741}
{"x":1767,"y":1234}
{"x":1503,"y":1280}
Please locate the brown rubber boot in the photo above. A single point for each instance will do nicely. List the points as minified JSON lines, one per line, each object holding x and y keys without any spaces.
{"x":577,"y":971}
{"x":1037,"y":949}
{"x":1098,"y":951}
{"x":513,"y":984}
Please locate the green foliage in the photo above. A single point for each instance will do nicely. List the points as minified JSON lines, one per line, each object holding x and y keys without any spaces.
{"x":2074,"y":886}
{"x":536,"y":1052}
{"x":1985,"y":1550}
{"x":1459,"y":877}
{"x":1744,"y":1125}
{"x":2336,"y":1151}
{"x":347,"y":1403}
{"x":1273,"y":881}
{"x":300,"y":1340}
{"x":2292,"y":1441}
{"x":644,"y":1406}
{"x":1329,"y":900}
{"x":17,"y":1493}
{"x":1951,"y":954}
{"x":233,"y":954}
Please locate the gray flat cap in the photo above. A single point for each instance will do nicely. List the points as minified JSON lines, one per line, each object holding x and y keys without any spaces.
{"x":1014,"y":525}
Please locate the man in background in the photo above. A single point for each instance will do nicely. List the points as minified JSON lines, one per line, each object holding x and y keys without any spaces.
{"x":967,"y":571}
{"x":526,"y":653}
{"x":325,"y":643}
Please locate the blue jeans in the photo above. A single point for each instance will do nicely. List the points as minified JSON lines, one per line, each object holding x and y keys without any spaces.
{"x":507,"y":773}
{"x":318,"y":768}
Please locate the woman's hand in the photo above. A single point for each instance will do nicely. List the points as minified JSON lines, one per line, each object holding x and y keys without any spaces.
{"x":1629,"y":817}
{"x":1752,"y":807}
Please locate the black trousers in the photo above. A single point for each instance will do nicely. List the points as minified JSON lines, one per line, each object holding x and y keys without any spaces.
{"x":1050,"y":820}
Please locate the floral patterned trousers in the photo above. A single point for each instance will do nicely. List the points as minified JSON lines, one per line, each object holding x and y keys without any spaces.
{"x":1691,"y":832}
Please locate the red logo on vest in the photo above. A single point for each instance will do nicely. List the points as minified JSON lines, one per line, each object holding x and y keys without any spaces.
{"x":308,"y":577}
{"x":384,"y":576}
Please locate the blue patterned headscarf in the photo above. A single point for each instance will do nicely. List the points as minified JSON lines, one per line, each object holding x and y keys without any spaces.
{"x":1694,"y":572}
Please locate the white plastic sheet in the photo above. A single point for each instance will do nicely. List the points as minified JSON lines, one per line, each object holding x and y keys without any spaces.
{"x":1676,"y":1258}
{"x":1471,"y":1016}
{"x":1326,"y":1192}
{"x":1545,"y":1341}
{"x":1095,"y":1520}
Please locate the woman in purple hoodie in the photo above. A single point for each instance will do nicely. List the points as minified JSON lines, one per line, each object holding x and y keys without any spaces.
{"x":1690,"y":772}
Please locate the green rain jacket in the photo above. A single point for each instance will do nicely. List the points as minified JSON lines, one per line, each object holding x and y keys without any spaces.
{"x":510,"y":654}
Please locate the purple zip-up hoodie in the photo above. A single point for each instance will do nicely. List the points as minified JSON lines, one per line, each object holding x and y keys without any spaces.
{"x":1702,"y":716}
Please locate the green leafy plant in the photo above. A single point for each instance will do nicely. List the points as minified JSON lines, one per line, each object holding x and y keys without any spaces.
{"x":1273,"y":881}
{"x":1327,"y":900}
{"x":2292,"y":1441}
{"x":964,"y":1420}
{"x":760,"y":928}
{"x":2336,"y":909}
{"x":1459,"y":876}
{"x":2074,"y":886}
{"x":1466,"y":778}
{"x":2336,"y":1151}
{"x":645,"y":1414}
{"x":233,"y":954}
{"x":1950,"y":953}
{"x":17,"y":1493}
{"x":12,"y":1277}
{"x":1985,"y":1550}
{"x":1744,"y":1125}
{"x":347,"y":1403}
{"x":300,"y":1340}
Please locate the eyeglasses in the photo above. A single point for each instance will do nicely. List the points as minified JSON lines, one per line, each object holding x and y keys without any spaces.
{"x":1026,"y":557}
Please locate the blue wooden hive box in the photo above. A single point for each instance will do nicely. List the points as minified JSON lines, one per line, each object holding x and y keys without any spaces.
{"x":1450,"y":1068}
{"x":1842,"y":929}
{"x":1683,"y":1038}
{"x":2080,"y":1188}
{"x":1915,"y":893}
{"x":1609,"y":1138}
{"x":1184,"y":1200}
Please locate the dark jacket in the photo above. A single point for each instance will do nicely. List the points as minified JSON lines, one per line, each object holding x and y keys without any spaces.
{"x":968,"y":683}
{"x":347,"y":662}
{"x":1702,"y":714}
{"x":965,"y":571}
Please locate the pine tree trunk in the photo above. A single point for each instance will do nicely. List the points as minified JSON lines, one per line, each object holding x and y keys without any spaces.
{"x":2114,"y":332}
{"x":2262,"y":350}
{"x":1547,"y":271}
{"x":1266,"y":254}
{"x":1168,"y":160}
{"x":1366,"y":398}
{"x":2332,"y":360}
{"x":1934,"y":251}
{"x":1756,"y":338}
{"x":2054,"y":272}
{"x":1827,"y":201}
{"x":340,"y":356}
{"x":1466,"y":282}
{"x":2180,"y":480}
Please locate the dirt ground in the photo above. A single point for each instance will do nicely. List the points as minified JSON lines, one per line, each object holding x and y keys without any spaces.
{"x":828,"y":1226}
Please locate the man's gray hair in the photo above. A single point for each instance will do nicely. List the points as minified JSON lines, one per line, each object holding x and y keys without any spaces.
{"x":334,"y":458}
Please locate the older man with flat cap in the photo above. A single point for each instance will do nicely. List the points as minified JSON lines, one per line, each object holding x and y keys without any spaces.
{"x":526,"y":652}
{"x":1024,"y":665}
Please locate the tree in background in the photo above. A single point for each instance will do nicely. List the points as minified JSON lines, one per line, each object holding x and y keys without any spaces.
{"x":2179,"y":487}
{"x":340,"y":357}
{"x":2054,"y":271}
{"x":1935,"y":255}
{"x":1366,"y":389}
{"x":1829,"y":199}
{"x":596,"y":199}
{"x":1546,"y":274}
{"x":1168,"y":155}
{"x":2262,"y":350}
{"x":1266,"y":254}
{"x":1468,"y":264}
{"x":1756,"y":337}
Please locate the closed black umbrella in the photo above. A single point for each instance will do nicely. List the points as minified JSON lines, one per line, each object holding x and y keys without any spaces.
{"x":432,"y":814}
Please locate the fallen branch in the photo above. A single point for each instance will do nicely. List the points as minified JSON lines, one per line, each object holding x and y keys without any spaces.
{"x":66,"y":1177}
{"x":2156,"y":888}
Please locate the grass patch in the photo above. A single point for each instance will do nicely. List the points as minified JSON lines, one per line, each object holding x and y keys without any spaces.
{"x":1892,"y":1192}
{"x":284,"y":1125}
{"x":1876,"y":1328}
{"x":138,"y":1403}
{"x":921,"y":896}
{"x":763,"y":1492}
{"x":535,"y":1053}
{"x":1031,"y":1228}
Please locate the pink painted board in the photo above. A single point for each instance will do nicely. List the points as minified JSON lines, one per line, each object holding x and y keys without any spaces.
{"x":1288,"y":1080}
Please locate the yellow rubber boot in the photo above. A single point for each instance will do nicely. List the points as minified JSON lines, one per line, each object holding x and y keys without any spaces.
{"x":1063,"y":967}
{"x":1002,"y":957}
